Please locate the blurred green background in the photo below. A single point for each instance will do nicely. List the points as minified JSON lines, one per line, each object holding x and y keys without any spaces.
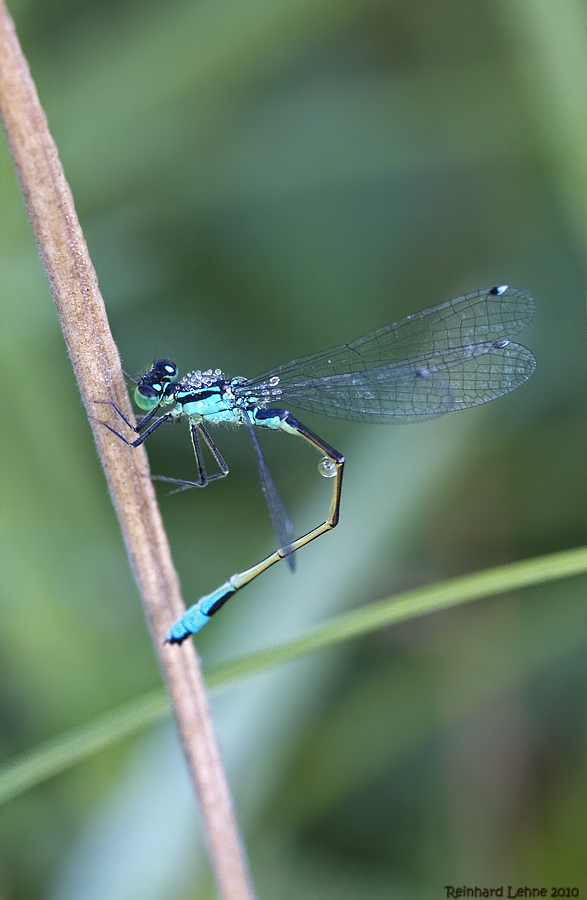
{"x":258,"y":180}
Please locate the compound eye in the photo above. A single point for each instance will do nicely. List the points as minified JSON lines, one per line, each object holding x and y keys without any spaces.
{"x":150,"y":390}
{"x":165,"y":368}
{"x":147,"y":396}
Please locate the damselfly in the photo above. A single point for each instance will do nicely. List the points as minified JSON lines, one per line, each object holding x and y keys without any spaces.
{"x":453,"y":356}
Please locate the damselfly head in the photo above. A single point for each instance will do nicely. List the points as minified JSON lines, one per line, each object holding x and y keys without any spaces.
{"x":156,"y":384}
{"x":163,"y":370}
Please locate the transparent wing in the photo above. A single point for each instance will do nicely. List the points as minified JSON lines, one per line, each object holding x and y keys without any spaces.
{"x":280,"y":520}
{"x":427,"y":389}
{"x":451,"y":356}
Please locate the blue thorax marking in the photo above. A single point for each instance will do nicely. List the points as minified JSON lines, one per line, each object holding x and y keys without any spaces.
{"x":209,"y":397}
{"x":213,"y":402}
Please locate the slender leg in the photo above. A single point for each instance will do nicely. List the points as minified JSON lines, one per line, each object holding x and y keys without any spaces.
{"x":197,"y":615}
{"x":167,"y":418}
{"x":137,"y":430}
{"x":203,"y":477}
{"x":214,"y":451}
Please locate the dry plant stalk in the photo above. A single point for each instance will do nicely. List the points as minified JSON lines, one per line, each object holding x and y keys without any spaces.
{"x":97,"y":367}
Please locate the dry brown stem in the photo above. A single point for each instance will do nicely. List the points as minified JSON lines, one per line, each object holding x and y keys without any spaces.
{"x":97,"y":367}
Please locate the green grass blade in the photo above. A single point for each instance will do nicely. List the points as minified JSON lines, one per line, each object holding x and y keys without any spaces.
{"x":36,"y":765}
{"x":408,"y":605}
{"x":58,"y":754}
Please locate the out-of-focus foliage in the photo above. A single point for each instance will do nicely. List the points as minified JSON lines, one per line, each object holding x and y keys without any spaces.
{"x":258,"y":180}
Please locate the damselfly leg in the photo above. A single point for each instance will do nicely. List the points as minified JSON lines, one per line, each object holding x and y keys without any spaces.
{"x":203,"y":477}
{"x":199,"y":614}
